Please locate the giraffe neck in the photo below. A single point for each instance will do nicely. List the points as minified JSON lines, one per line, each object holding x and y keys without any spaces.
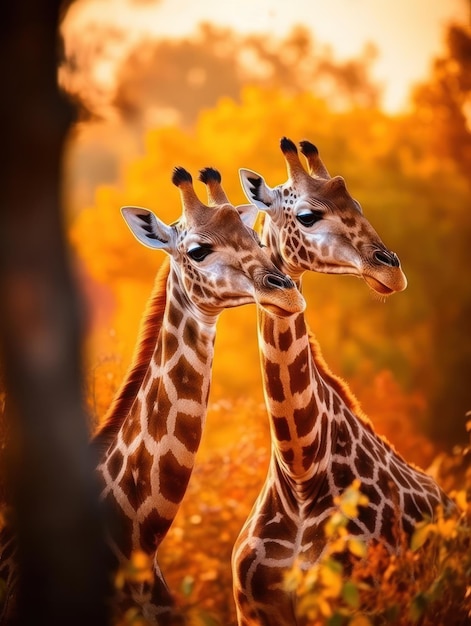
{"x":149,"y":460}
{"x":302,"y":395}
{"x":294,"y":392}
{"x":143,"y":354}
{"x":297,"y":398}
{"x":321,"y":443}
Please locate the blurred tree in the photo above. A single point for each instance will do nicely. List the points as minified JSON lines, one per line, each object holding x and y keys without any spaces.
{"x":173,"y":80}
{"x":162,"y":82}
{"x":5,"y":437}
{"x":360,"y":336}
{"x":62,"y":570}
{"x":440,"y":144}
{"x":410,"y":187}
{"x":444,"y":102}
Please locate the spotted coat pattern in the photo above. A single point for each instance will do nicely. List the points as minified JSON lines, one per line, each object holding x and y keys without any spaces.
{"x":149,"y":459}
{"x":146,"y":470}
{"x":321,"y":442}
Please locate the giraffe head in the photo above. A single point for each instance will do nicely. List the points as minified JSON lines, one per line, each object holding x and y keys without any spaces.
{"x":216,"y":255}
{"x":315,"y":224}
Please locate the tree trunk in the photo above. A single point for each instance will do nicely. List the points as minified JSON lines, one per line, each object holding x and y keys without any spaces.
{"x":63,"y":571}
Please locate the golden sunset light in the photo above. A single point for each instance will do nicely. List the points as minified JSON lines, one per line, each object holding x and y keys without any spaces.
{"x":235,"y":254}
{"x":210,"y":82}
{"x":405,"y":34}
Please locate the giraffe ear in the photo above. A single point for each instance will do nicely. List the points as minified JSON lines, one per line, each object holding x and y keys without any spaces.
{"x":256,"y":189}
{"x":336,"y":189}
{"x":147,"y":228}
{"x":248,"y":214}
{"x":335,"y":184}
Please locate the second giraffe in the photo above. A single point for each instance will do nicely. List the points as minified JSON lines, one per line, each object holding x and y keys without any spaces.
{"x":321,"y":442}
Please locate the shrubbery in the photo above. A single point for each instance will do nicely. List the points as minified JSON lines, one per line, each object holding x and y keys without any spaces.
{"x":428,"y":583}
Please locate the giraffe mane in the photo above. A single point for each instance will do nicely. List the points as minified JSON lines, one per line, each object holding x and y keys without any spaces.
{"x":149,"y":331}
{"x":347,"y":395}
{"x":336,"y":382}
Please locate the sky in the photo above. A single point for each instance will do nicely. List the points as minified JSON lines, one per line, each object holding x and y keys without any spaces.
{"x":407,"y":33}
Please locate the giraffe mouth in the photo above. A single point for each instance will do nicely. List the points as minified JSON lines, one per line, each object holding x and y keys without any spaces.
{"x":373,"y":283}
{"x":289,"y":303}
{"x":276,"y":310}
{"x":377,"y":285}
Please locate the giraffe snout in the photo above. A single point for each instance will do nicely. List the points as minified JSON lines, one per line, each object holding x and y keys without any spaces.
{"x":278,"y":294}
{"x":382,"y":271}
{"x":386,"y":257}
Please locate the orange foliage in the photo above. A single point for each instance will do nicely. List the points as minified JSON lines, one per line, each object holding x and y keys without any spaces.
{"x":229,"y":136}
{"x":245,"y":134}
{"x":399,"y":417}
{"x":386,"y":350}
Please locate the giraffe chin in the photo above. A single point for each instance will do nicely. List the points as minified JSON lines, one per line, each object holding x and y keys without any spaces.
{"x":273,"y":309}
{"x":281,"y":302}
{"x":378,"y":286}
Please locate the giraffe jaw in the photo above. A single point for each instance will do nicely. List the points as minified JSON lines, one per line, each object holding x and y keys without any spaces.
{"x":379,"y":287}
{"x":352,"y":270}
{"x":292,"y":303}
{"x":272,"y":309}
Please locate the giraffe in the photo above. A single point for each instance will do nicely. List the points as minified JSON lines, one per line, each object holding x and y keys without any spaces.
{"x":150,"y":437}
{"x":321,"y":441}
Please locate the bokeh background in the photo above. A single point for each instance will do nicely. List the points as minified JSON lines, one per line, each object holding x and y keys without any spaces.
{"x":384,"y":90}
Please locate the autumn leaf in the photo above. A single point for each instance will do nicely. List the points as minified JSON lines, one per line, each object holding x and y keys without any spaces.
{"x":330,"y":575}
{"x":293,"y":578}
{"x":198,"y":617}
{"x":446,"y":527}
{"x":351,"y":499}
{"x":357,"y":547}
{"x":460,"y":498}
{"x":336,"y":522}
{"x":138,"y":569}
{"x":420,"y":535}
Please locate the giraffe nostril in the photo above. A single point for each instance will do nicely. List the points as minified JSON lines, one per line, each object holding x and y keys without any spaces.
{"x":277,"y":281}
{"x":386,"y":258}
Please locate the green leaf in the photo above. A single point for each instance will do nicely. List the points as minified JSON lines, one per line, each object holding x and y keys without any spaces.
{"x":336,"y":620}
{"x":351,"y":595}
{"x":187,"y":585}
{"x":334,"y":565}
{"x":418,"y":606}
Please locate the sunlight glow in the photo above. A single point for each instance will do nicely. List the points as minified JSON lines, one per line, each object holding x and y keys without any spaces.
{"x":406,"y":34}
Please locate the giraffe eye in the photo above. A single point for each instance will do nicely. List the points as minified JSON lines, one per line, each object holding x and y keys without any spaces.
{"x":309,"y":218}
{"x":199,"y":253}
